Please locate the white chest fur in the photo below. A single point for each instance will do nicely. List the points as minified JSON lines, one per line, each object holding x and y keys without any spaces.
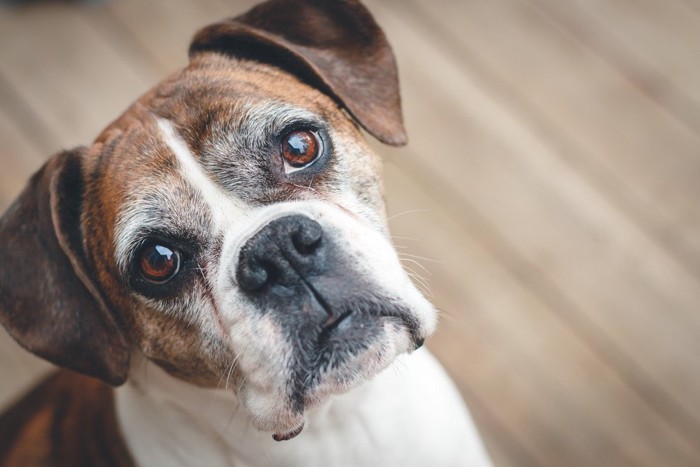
{"x":408,"y":415}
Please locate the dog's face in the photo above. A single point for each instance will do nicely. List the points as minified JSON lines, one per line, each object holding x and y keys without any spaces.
{"x":231,"y":226}
{"x":250,"y":245}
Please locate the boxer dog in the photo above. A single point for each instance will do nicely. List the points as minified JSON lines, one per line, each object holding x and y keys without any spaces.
{"x":220,"y":258}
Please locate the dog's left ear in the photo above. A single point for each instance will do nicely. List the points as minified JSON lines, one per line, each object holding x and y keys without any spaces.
{"x":48,"y":302}
{"x":334,"y":45}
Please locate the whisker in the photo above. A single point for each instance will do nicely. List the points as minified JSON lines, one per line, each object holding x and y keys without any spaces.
{"x":401,"y":237}
{"x":421,"y":284}
{"x":310,"y":188}
{"x":417,"y":274}
{"x":435,"y":261}
{"x":447,"y":315}
{"x":413,"y":261}
{"x":201,"y":271}
{"x":405,"y":212}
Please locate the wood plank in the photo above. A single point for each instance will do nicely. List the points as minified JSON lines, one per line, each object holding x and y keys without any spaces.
{"x":541,"y":384}
{"x":23,"y":124}
{"x":608,"y":280}
{"x":655,"y":45}
{"x":168,"y":38}
{"x":89,"y":85}
{"x":642,"y":158}
{"x":19,"y":158}
{"x":693,"y":5}
{"x":20,"y":370}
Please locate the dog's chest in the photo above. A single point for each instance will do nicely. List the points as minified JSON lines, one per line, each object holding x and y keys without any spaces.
{"x":405,"y":416}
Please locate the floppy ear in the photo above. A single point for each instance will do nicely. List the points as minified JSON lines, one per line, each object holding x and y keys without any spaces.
{"x":335,"y":45}
{"x":47,"y":301}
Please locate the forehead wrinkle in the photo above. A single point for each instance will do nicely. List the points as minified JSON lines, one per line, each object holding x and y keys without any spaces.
{"x":263,"y":119}
{"x":238,"y":149}
{"x":222,"y":205}
{"x":248,"y":126}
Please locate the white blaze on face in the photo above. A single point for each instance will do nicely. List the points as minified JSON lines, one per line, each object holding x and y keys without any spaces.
{"x":224,"y":207}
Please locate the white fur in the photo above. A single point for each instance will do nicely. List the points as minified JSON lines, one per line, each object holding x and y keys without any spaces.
{"x":408,"y":415}
{"x":224,"y":207}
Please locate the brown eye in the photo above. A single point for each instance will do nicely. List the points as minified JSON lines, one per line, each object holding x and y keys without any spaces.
{"x":159,"y":263}
{"x":300,"y":148}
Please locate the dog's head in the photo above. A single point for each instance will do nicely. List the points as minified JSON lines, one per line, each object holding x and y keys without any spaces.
{"x":230,"y":225}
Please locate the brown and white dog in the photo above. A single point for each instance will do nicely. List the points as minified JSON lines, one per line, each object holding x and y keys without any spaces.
{"x":220,"y":255}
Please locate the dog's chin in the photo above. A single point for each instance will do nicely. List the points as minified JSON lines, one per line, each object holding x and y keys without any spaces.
{"x":273,"y":408}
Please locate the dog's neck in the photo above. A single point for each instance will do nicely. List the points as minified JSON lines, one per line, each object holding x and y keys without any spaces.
{"x":166,"y":421}
{"x":169,"y":422}
{"x":412,"y":403}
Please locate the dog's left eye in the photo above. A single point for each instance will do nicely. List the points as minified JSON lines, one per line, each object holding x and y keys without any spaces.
{"x":159,"y":263}
{"x":300,"y":148}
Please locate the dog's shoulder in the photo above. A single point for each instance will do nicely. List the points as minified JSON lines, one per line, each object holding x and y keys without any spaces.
{"x":69,"y":420}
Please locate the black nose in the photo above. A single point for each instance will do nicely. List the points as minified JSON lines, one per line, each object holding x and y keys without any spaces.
{"x":284,"y":252}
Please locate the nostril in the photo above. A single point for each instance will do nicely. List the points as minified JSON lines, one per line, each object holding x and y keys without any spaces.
{"x":307,"y":238}
{"x":254,"y":275}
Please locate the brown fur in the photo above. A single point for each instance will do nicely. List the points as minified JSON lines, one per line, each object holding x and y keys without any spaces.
{"x":47,"y":301}
{"x":50,"y":426}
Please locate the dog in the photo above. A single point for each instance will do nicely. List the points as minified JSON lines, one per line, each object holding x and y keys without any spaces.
{"x":214,"y":272}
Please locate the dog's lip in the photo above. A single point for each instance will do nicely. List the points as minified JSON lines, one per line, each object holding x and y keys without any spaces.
{"x":332,"y":323}
{"x":286,"y":436}
{"x":335,"y":319}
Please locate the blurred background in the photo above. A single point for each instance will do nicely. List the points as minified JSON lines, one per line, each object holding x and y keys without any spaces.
{"x":550,"y":196}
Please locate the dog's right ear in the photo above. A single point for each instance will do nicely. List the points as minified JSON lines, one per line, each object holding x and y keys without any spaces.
{"x":47,"y":301}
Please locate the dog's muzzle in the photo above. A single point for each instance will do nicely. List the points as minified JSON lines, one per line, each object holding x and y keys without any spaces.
{"x":292,"y":268}
{"x":338,"y":318}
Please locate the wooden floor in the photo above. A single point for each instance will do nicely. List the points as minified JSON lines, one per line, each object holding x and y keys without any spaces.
{"x":551,"y":188}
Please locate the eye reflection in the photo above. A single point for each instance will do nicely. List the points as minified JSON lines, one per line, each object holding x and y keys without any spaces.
{"x":159,"y":263}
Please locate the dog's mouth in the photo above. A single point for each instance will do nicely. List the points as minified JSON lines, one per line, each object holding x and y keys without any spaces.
{"x":351,"y":347}
{"x":356,"y":341}
{"x":324,"y":319}
{"x":337,"y":336}
{"x":351,"y":330}
{"x":332,"y":324}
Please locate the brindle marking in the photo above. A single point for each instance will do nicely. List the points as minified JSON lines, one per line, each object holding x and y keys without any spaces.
{"x":51,"y":426}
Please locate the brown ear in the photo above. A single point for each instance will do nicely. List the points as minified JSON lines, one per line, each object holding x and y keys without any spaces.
{"x":334,"y":45}
{"x":47,"y":301}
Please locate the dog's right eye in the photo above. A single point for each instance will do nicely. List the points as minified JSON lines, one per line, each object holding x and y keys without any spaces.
{"x":159,"y":263}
